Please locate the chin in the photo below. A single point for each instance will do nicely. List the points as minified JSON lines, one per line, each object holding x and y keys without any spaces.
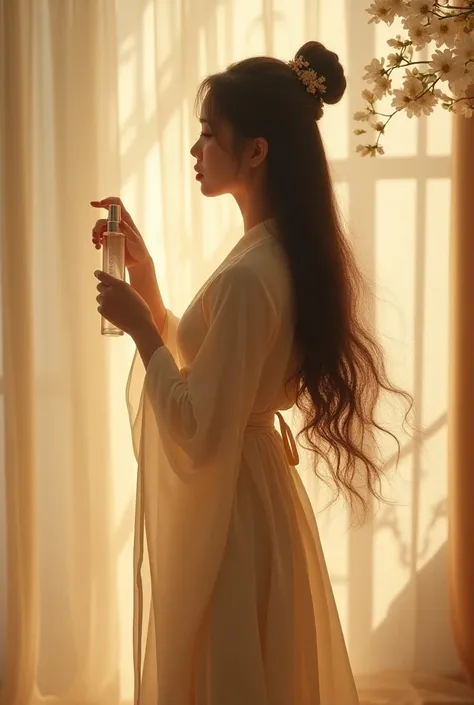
{"x":210,"y":192}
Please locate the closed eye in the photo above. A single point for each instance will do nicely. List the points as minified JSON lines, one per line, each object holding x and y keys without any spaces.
{"x":206,"y":134}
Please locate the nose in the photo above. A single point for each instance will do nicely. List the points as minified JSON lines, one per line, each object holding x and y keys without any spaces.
{"x":196,"y":149}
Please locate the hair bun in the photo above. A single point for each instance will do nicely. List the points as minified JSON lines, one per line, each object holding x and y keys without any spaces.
{"x":326,"y":63}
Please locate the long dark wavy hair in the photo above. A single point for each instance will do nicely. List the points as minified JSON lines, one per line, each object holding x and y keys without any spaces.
{"x":342,"y":373}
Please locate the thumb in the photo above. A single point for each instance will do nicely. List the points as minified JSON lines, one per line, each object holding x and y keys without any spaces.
{"x":105,"y":278}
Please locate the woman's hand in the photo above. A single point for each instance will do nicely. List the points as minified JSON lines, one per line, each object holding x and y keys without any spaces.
{"x":137,"y":259}
{"x":136,"y":252}
{"x":120,"y":304}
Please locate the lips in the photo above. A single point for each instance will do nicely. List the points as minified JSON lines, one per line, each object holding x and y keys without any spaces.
{"x":198,"y":173}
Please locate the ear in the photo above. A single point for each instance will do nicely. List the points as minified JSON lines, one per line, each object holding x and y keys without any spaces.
{"x":259,"y":151}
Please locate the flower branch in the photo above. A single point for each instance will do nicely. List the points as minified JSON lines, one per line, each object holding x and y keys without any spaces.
{"x":449,"y":31}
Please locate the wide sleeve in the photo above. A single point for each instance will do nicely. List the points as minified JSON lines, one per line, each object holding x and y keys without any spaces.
{"x":136,"y":377}
{"x":170,"y":333}
{"x":204,"y":413}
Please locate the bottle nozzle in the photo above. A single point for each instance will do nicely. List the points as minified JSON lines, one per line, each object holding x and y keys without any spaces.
{"x":115,"y":213}
{"x":113,"y":219}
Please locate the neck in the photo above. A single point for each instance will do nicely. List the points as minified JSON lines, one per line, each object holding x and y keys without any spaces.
{"x":254,"y":207}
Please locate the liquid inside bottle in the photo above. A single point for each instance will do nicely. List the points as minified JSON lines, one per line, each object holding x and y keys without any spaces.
{"x":113,"y":260}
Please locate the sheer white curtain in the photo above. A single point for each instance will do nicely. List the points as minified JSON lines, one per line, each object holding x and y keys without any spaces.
{"x":61,"y":532}
{"x":97,"y":99}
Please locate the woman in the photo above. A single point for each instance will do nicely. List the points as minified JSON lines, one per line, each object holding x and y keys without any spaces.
{"x":241,"y":610}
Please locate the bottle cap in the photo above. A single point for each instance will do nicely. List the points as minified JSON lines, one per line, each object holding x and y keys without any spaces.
{"x":115,"y":213}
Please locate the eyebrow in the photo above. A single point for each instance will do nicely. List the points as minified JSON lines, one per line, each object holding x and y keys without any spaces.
{"x":203,"y":120}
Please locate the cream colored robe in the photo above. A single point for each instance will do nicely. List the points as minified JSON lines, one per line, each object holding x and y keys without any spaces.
{"x":239,"y":609}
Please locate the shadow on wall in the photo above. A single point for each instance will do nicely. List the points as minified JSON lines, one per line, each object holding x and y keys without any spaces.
{"x":421,"y":613}
{"x":420,"y":633}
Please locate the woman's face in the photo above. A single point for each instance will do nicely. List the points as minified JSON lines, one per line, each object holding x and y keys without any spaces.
{"x":217,"y":170}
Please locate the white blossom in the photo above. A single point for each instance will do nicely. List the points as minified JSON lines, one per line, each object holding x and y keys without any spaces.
{"x":384,"y":10}
{"x":374,"y":70}
{"x":368,"y":95}
{"x":440,"y":95}
{"x":413,"y":85}
{"x":382,"y":86}
{"x":443,"y":31}
{"x":464,"y":48}
{"x":406,"y":98}
{"x":412,"y":73}
{"x":421,"y":8}
{"x":369,"y":150}
{"x":394,"y":60}
{"x":418,"y":31}
{"x":427,"y":102}
{"x":459,"y":85}
{"x":445,"y":65}
{"x":396,"y":43}
{"x":401,"y":101}
{"x":464,"y":108}
{"x":363,"y":115}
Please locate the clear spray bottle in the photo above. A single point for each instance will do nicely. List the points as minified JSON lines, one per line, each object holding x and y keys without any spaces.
{"x":113,"y":259}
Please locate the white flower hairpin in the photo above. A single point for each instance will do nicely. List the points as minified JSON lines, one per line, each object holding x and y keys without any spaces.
{"x":313,"y":82}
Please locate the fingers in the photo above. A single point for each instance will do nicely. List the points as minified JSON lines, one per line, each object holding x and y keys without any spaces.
{"x":98,"y":232}
{"x":100,"y":224}
{"x":102,"y":289}
{"x":107,"y":279}
{"x":109,"y":201}
{"x":100,"y":228}
{"x":115,"y":201}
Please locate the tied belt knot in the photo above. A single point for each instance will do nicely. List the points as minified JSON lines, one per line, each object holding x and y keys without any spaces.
{"x":266,"y":422}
